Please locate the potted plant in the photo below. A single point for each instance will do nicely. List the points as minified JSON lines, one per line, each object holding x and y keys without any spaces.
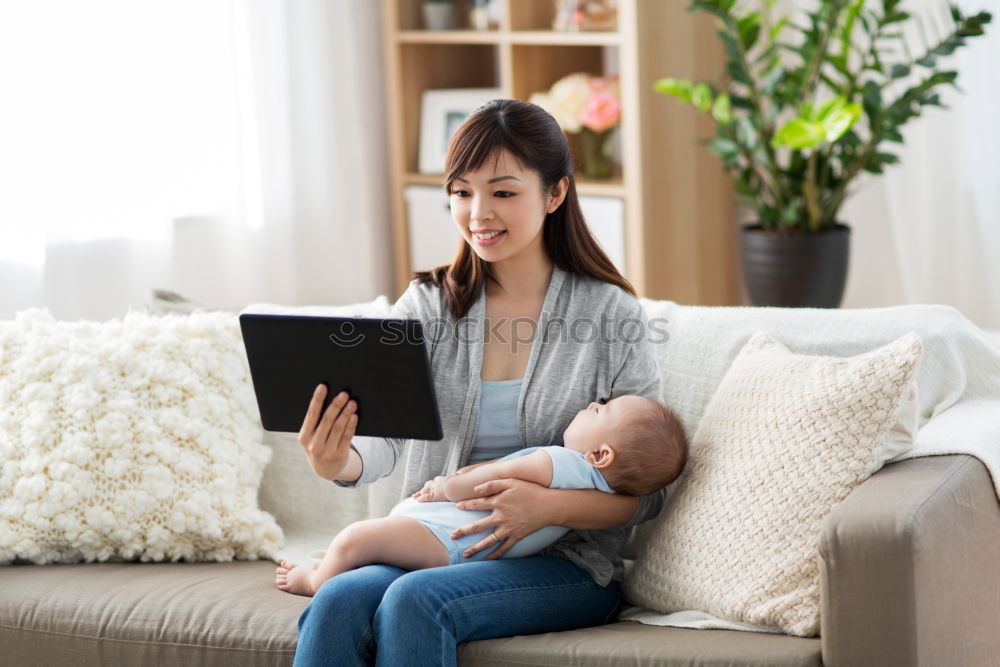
{"x":803,"y":109}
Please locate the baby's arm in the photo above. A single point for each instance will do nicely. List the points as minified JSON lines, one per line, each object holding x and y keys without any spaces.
{"x":474,"y":466}
{"x":535,"y":467}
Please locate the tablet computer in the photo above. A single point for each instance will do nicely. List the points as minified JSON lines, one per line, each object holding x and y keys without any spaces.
{"x":381,"y":363}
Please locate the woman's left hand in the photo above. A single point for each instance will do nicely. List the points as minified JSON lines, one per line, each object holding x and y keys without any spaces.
{"x":516,"y":510}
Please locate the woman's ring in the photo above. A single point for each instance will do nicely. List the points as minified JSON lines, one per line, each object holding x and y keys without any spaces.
{"x":498,"y":540}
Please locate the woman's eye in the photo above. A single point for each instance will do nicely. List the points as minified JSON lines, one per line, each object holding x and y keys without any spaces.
{"x":504,"y":194}
{"x":459,"y":193}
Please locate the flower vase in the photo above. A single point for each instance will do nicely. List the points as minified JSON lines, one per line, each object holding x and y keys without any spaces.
{"x":597,"y":148}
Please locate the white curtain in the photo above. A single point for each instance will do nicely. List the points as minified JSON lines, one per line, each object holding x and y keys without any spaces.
{"x":928,"y":230}
{"x":230,"y":150}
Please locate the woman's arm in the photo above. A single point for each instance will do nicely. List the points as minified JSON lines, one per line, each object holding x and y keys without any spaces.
{"x":589,"y":509}
{"x":372,"y":458}
{"x":518,"y":508}
{"x":352,"y":469}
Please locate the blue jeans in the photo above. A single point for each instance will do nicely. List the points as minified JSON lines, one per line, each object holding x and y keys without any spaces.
{"x":383,"y":613}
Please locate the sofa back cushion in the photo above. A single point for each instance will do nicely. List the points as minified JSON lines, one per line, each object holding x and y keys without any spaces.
{"x":701,"y":342}
{"x":784,"y":439}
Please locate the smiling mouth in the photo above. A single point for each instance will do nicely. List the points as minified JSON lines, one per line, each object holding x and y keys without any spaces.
{"x":486,"y":236}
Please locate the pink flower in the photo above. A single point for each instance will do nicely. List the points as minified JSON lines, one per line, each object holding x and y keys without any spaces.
{"x":602,"y":110}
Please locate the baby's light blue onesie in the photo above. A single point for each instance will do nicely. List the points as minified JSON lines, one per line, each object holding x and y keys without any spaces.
{"x":569,"y":471}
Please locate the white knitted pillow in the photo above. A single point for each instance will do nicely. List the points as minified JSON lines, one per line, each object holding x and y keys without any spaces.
{"x":783,"y":440}
{"x":136,"y":438}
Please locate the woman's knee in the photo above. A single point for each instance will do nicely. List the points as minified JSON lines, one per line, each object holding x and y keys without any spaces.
{"x":351,"y":594}
{"x":411,"y":598}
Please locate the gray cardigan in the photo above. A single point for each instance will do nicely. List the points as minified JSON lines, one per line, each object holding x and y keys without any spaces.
{"x":571,"y":364}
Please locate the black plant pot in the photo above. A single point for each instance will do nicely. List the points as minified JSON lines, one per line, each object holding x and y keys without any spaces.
{"x":795,"y":269}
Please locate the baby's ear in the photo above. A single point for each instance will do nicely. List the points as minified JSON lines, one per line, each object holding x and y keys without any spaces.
{"x":602,"y":457}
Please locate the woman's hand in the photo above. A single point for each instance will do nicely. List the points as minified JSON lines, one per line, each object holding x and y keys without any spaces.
{"x":433,"y":491}
{"x":327,"y":440}
{"x":517,"y":510}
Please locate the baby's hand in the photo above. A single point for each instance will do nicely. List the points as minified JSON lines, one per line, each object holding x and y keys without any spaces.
{"x":433,"y":491}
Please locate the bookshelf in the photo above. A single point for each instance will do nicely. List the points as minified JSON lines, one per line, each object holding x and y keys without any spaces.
{"x":679,"y":219}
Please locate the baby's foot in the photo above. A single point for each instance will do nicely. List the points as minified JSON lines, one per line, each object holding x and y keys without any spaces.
{"x":293,"y":578}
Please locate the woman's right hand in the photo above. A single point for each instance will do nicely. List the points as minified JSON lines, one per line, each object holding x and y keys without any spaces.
{"x":327,"y":439}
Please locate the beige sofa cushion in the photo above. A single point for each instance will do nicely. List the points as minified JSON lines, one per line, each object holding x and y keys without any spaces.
{"x":231,"y":615}
{"x":784,"y":439}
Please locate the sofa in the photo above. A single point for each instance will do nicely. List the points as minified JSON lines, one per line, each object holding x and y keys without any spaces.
{"x":909,"y":571}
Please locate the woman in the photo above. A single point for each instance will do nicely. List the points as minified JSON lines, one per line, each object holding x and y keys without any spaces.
{"x":524,"y":328}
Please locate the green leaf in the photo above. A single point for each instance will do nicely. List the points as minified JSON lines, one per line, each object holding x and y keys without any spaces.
{"x":847,"y":30}
{"x":721,"y":109}
{"x":778,"y":26}
{"x":737,"y":72}
{"x":871,"y":98}
{"x":749,"y":29}
{"x":744,"y":182}
{"x":892,"y":134}
{"x":790,"y":215}
{"x":840,"y":119}
{"x":771,"y":81}
{"x":679,"y":88}
{"x":767,"y":213}
{"x":895,"y":17}
{"x":745,"y":133}
{"x":718,"y":8}
{"x":701,"y":96}
{"x":740,"y":102}
{"x":839,"y":63}
{"x":729,"y":44}
{"x":823,"y":111}
{"x":723,"y":147}
{"x":931,"y":100}
{"x":799,"y":134}
{"x":899,"y":71}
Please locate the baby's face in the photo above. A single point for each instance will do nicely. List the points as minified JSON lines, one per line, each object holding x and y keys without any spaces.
{"x":594,"y":425}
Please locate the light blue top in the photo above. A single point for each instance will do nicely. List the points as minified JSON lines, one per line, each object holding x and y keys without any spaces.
{"x":569,"y":471}
{"x":496,"y":435}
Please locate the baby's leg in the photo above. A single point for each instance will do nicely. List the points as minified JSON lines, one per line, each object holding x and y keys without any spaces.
{"x":396,"y":540}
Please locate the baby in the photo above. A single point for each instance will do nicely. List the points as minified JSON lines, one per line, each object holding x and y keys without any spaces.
{"x":631,"y":445}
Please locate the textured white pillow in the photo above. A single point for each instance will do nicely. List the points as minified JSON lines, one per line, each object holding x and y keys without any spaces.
{"x":783,"y":440}
{"x":136,"y":438}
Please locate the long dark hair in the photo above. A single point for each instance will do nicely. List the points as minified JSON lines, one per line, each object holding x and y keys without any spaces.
{"x":534,"y":138}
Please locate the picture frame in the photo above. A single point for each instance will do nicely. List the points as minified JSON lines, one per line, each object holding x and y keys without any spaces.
{"x":441,"y":112}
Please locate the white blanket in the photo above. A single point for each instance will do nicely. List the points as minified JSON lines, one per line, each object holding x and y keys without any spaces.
{"x":959,"y":380}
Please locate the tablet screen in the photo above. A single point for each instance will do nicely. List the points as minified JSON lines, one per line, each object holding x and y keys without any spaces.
{"x":381,"y":363}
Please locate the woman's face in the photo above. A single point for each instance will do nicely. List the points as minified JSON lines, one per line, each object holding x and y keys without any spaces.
{"x":500,"y":209}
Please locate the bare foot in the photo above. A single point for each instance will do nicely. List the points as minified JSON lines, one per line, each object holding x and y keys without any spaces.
{"x":293,"y":578}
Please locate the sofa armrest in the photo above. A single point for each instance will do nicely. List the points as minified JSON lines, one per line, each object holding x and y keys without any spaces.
{"x":910,"y":568}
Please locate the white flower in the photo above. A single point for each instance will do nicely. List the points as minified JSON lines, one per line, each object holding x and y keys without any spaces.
{"x":569,"y":95}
